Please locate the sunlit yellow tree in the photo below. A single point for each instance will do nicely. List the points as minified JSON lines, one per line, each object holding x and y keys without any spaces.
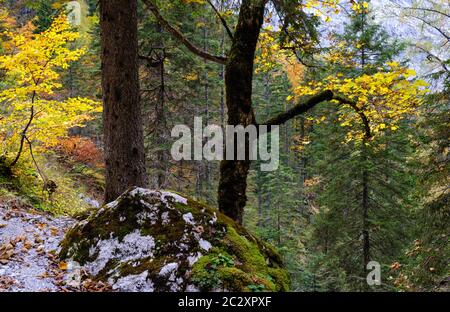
{"x":372,"y":98}
{"x":32,"y":112}
{"x":375,"y":101}
{"x":370,"y":103}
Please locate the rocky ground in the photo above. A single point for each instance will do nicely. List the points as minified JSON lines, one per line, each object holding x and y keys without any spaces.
{"x":28,"y":252}
{"x":161,"y":241}
{"x":144,"y":241}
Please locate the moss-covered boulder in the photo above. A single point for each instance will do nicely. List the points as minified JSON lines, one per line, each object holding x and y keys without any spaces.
{"x":160,"y":241}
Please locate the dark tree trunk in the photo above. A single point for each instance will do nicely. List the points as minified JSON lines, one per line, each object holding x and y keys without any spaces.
{"x":365,"y":174}
{"x":222,"y":73}
{"x":238,"y":84}
{"x":260,"y":203}
{"x":122,"y":121}
{"x":207,"y":175}
{"x":365,"y":209}
{"x":365,"y":231}
{"x":160,"y":123}
{"x":222,"y":89}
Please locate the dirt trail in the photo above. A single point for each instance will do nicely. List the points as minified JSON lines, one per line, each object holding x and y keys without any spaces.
{"x":28,"y":248}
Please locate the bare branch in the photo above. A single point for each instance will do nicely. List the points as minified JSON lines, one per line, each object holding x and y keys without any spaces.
{"x":433,"y":56}
{"x":426,"y":9}
{"x":432,"y":26}
{"x":178,"y":35}
{"x":43,"y":177}
{"x":223,"y":21}
{"x":24,"y":132}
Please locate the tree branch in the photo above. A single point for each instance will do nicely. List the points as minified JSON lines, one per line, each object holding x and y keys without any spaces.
{"x":431,"y":55}
{"x":224,"y":22}
{"x":304,"y":107}
{"x":364,"y":119}
{"x":299,"y":58}
{"x":43,"y":177}
{"x":300,"y":108}
{"x":426,"y":9}
{"x":24,"y":132}
{"x":151,"y":61}
{"x":178,"y":35}
{"x":431,"y":25}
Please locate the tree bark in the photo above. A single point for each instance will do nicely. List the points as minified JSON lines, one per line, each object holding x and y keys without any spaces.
{"x":365,"y":217}
{"x":365,"y":174}
{"x":122,"y":120}
{"x":238,"y":87}
{"x":238,"y":84}
{"x":207,"y":176}
{"x":160,"y":123}
{"x":365,"y":203}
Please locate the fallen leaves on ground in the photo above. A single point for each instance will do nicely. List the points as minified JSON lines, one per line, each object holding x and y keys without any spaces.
{"x":6,"y":282}
{"x":33,"y":244}
{"x":6,"y":252}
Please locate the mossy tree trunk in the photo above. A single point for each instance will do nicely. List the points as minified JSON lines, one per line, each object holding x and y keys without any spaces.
{"x":238,"y":85}
{"x":122,"y":124}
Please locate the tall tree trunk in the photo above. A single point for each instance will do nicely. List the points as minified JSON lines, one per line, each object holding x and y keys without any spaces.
{"x":263,"y":212}
{"x":365,"y":209}
{"x":238,"y":83}
{"x":222,"y":73}
{"x":206,"y":73}
{"x":122,"y":121}
{"x":365,"y":231}
{"x":260,"y":201}
{"x":222,"y":88}
{"x":160,"y":121}
{"x":365,"y":174}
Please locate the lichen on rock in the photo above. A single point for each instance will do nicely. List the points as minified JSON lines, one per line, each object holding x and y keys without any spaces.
{"x":161,"y":241}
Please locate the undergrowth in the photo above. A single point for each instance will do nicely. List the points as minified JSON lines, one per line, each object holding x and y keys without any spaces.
{"x":23,"y":182}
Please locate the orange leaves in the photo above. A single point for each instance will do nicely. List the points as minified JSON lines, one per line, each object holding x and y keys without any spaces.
{"x":62,"y":266}
{"x":8,"y":249}
{"x":294,"y":71}
{"x":6,"y":252}
{"x":395,"y":266}
{"x":82,"y":150}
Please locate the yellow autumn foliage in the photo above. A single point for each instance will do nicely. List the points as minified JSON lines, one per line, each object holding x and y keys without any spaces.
{"x":385,"y":98}
{"x":32,"y":65}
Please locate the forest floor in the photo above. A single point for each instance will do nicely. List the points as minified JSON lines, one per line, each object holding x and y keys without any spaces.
{"x":29,"y":247}
{"x":32,"y":226}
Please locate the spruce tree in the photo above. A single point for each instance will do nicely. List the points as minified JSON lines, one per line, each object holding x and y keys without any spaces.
{"x":365,"y":186}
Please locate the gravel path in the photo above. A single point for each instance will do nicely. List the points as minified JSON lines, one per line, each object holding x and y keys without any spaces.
{"x":28,"y":249}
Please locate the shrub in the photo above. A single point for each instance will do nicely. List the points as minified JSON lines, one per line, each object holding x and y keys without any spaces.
{"x":82,"y":150}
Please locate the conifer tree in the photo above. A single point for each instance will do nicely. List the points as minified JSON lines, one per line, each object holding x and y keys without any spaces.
{"x":366,"y":186}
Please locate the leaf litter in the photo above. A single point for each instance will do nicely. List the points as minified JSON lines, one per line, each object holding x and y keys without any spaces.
{"x":29,"y":242}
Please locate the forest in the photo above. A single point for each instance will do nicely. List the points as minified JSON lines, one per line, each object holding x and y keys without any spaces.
{"x":127,"y":129}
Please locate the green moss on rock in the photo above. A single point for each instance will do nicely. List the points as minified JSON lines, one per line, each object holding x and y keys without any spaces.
{"x":161,"y":241}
